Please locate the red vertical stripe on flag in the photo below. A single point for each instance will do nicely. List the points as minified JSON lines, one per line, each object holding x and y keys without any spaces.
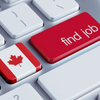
{"x":30,"y":56}
{"x":6,"y":73}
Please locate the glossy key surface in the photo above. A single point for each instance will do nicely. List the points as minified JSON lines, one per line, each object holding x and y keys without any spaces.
{"x":24,"y":92}
{"x":56,"y":9}
{"x":22,"y":20}
{"x":67,"y":38}
{"x":74,"y":78}
{"x":18,"y":63}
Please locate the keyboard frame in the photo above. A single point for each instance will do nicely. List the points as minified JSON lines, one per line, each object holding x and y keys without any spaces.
{"x":90,"y":6}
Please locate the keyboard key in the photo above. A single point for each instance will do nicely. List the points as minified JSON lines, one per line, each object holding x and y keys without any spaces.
{"x":10,"y":1}
{"x":2,"y":40}
{"x":20,"y":20}
{"x":56,"y":9}
{"x":67,"y":38}
{"x":24,"y":92}
{"x":74,"y":78}
{"x":17,"y":63}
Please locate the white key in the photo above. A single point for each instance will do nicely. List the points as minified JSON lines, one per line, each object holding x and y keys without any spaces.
{"x":56,"y":9}
{"x":24,"y":92}
{"x":20,"y":20}
{"x":74,"y":78}
{"x":10,"y":1}
{"x":2,"y":40}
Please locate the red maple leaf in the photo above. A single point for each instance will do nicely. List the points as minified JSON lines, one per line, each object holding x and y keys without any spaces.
{"x":15,"y":60}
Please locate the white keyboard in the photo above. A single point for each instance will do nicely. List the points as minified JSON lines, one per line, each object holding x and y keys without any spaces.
{"x":49,"y":49}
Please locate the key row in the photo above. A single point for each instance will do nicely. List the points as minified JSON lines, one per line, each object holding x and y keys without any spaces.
{"x":53,"y":84}
{"x":21,"y":19}
{"x":53,"y":44}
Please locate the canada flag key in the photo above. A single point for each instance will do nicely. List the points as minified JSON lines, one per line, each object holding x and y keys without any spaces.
{"x":17,"y":62}
{"x":67,"y":38}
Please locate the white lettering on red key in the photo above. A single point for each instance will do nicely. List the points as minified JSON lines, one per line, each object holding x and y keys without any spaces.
{"x":67,"y":38}
{"x":76,"y":37}
{"x":18,"y":63}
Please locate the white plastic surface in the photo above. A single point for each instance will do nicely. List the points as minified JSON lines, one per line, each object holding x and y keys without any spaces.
{"x":20,"y":20}
{"x":24,"y":92}
{"x":56,"y":9}
{"x":74,"y":78}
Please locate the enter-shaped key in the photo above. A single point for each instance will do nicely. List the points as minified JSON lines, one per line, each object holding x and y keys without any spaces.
{"x":67,"y":38}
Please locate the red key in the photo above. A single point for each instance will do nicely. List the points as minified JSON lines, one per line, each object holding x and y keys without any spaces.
{"x":67,"y":38}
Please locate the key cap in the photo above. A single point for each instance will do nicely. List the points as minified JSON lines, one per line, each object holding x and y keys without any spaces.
{"x":56,"y":9}
{"x":17,"y":63}
{"x":24,"y":92}
{"x":20,"y":20}
{"x":2,"y":40}
{"x":67,"y":38}
{"x":10,"y":1}
{"x":74,"y":78}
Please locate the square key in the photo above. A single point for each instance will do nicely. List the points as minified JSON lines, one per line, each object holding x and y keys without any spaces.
{"x":20,"y":20}
{"x":23,"y":92}
{"x":67,"y":37}
{"x":17,"y":62}
{"x":56,"y":9}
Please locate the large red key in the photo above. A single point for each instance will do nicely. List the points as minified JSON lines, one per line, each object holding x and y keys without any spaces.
{"x":67,"y":38}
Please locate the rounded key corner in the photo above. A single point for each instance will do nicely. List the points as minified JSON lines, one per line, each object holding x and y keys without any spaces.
{"x":11,"y":81}
{"x":13,"y":36}
{"x":31,"y":39}
{"x":52,"y":19}
{"x":50,"y":60}
{"x":20,"y":44}
{"x":86,"y":13}
{"x":39,"y":67}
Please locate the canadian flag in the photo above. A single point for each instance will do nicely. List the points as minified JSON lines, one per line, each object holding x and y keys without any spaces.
{"x":17,"y":62}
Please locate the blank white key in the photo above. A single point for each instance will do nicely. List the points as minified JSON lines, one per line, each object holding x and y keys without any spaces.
{"x":24,"y":92}
{"x":2,"y":40}
{"x":10,"y":1}
{"x":74,"y":78}
{"x":20,"y":20}
{"x":55,"y":9}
